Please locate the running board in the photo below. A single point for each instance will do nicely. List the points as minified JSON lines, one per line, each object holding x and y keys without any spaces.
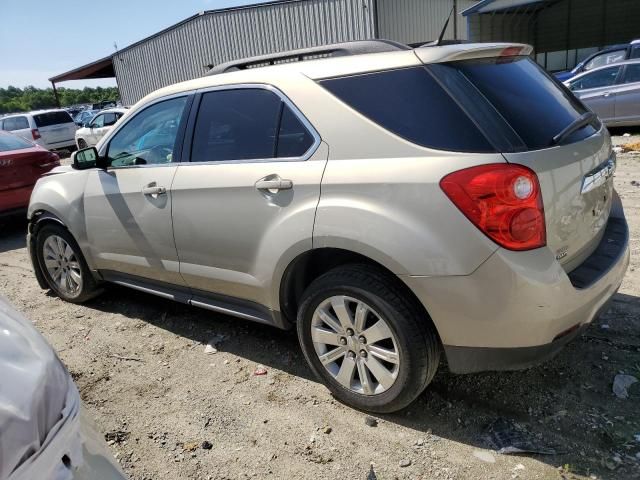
{"x":209,"y":301}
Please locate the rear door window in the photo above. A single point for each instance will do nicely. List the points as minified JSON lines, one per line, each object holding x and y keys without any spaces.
{"x":410,"y":103}
{"x":601,"y":78}
{"x":631,"y":74}
{"x":247,"y":124}
{"x":52,"y":118}
{"x":15,"y":123}
{"x":109,"y":119}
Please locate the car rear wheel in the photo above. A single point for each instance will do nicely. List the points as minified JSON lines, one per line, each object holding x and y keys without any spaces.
{"x":63,"y":266}
{"x":81,"y":144}
{"x":366,"y":339}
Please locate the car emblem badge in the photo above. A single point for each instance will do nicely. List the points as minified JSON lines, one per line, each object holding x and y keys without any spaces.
{"x":599,"y":176}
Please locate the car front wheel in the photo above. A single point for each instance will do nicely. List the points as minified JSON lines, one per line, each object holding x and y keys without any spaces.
{"x":366,"y":339}
{"x":63,"y":265}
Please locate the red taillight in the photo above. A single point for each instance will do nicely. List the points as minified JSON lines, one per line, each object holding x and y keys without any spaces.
{"x":53,"y":161}
{"x":35,"y":133}
{"x":503,"y":200}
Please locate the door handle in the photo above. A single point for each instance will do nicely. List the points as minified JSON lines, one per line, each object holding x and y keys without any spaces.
{"x":153,"y":190}
{"x":274,"y":184}
{"x":606,"y":94}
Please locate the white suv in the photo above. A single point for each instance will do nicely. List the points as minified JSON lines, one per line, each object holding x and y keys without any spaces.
{"x":51,"y":129}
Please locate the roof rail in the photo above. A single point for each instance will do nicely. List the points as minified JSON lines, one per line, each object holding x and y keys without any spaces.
{"x":359,"y":47}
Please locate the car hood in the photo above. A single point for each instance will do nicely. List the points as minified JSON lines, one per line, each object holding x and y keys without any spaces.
{"x":82,"y":131}
{"x":34,"y":392}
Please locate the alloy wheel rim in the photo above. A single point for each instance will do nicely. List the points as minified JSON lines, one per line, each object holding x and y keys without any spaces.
{"x":62,"y":265}
{"x":355,"y":345}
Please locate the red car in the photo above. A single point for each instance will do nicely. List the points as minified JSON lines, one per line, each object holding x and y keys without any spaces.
{"x":21,"y":164}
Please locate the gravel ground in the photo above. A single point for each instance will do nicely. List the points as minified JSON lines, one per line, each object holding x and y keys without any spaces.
{"x":141,"y":367}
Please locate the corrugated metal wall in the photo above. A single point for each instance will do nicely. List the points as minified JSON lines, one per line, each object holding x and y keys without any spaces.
{"x":415,"y":21}
{"x":183,"y":52}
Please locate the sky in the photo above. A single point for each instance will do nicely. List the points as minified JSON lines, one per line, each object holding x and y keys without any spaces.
{"x":43,"y":38}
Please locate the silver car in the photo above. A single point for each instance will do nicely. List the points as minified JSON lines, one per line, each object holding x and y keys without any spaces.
{"x":390,"y":203}
{"x":46,"y":433}
{"x":612,"y":92}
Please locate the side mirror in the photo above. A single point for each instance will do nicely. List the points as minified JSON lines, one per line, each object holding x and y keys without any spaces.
{"x":85,"y":158}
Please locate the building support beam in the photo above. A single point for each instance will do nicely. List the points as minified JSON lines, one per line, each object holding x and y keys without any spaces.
{"x":55,"y":94}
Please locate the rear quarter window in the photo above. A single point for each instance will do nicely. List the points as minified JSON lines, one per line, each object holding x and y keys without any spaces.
{"x":410,"y":103}
{"x":52,"y":118}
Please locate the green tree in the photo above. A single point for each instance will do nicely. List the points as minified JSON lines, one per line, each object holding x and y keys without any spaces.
{"x":13,"y":99}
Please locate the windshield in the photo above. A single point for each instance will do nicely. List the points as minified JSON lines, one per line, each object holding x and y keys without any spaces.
{"x":11,"y":142}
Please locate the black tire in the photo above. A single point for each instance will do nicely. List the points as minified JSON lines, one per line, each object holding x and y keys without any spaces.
{"x":81,"y":144}
{"x":418,"y":344}
{"x":89,"y":288}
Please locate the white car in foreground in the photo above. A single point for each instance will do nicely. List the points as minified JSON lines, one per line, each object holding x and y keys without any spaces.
{"x":91,"y":133}
{"x":45,"y":433}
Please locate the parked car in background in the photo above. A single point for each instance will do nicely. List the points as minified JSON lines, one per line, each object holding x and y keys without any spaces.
{"x":94,"y":129}
{"x":84,"y":116}
{"x":612,"y":92}
{"x":607,"y":56}
{"x":22,"y":163}
{"x":390,"y":203}
{"x":51,"y":129}
{"x":46,"y":433}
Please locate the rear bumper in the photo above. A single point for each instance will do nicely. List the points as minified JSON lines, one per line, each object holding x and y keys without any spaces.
{"x":15,"y":199}
{"x":520,"y":308}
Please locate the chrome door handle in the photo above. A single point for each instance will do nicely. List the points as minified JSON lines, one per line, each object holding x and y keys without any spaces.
{"x":154,"y":190}
{"x":606,"y":94}
{"x":275,"y":184}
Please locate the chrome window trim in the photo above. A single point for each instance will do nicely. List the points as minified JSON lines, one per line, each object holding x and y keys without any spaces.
{"x":287,"y":101}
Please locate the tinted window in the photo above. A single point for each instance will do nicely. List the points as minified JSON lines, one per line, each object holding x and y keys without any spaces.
{"x":149,"y":137}
{"x":410,"y":103}
{"x":602,"y":78}
{"x":52,"y":118}
{"x":632,"y":74}
{"x":293,"y":137}
{"x":243,"y":125}
{"x":109,"y":119}
{"x":15,"y":123}
{"x":635,"y":51}
{"x":534,"y":105}
{"x":605,"y":59}
{"x":11,"y":142}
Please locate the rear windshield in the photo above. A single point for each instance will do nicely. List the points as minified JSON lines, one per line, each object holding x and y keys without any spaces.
{"x":52,"y":118}
{"x":11,"y":142}
{"x":535,"y":106}
{"x":486,"y":105}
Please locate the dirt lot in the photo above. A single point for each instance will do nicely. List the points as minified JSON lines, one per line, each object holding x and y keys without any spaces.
{"x":140,"y":365}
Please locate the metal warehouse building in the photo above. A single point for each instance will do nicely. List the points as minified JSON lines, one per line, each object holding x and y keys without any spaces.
{"x":190,"y":48}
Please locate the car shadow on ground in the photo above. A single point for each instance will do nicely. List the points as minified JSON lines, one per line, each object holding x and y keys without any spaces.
{"x":565,"y":405}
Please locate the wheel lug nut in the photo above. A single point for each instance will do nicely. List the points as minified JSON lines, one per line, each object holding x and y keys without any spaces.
{"x":363,"y":353}
{"x":362,"y":339}
{"x":343,"y":341}
{"x":349,"y":332}
{"x":351,"y":354}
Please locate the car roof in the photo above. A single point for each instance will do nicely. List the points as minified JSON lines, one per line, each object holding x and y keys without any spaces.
{"x":320,"y":68}
{"x":35,"y":112}
{"x":112,"y":109}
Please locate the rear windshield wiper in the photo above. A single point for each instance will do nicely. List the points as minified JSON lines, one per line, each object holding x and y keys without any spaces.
{"x":574,"y":126}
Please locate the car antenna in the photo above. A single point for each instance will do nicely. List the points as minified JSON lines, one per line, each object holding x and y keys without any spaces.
{"x":446,"y":24}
